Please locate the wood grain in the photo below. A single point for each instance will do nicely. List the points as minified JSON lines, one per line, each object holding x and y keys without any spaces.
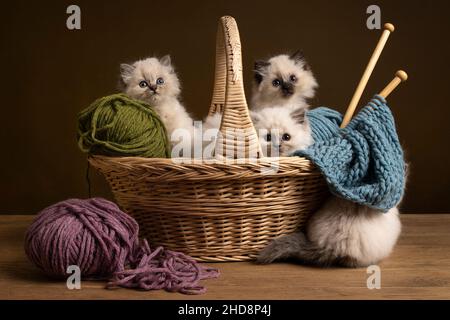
{"x":419,"y":268}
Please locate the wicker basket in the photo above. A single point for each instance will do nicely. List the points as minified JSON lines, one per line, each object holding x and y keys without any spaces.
{"x":223,"y":209}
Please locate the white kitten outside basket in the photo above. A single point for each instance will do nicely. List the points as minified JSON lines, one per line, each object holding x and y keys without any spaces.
{"x":225,"y":209}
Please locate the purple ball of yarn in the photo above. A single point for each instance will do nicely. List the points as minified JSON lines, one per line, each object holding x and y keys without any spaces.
{"x":93,"y":234}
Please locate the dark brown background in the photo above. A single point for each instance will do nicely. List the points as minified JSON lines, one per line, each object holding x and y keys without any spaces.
{"x":50,"y":73}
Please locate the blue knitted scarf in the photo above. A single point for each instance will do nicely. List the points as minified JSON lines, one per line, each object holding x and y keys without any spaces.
{"x":362,"y":162}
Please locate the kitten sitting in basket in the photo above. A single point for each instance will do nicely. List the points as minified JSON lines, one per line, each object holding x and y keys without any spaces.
{"x":226,"y":209}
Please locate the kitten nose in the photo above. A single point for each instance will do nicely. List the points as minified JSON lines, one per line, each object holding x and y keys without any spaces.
{"x":287,"y":89}
{"x":153,"y":87}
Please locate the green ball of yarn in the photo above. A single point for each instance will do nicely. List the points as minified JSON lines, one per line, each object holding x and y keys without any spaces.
{"x":117,"y":125}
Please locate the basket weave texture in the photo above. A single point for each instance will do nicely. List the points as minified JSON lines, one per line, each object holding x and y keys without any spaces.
{"x":225,"y":209}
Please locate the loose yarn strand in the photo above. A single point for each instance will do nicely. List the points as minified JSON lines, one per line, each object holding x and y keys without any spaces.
{"x":157,"y":269}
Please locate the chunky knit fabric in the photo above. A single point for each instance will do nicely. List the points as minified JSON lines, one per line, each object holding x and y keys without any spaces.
{"x":362,"y":162}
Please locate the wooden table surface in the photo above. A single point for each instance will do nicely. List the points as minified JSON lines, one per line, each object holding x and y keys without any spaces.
{"x":419,"y":268}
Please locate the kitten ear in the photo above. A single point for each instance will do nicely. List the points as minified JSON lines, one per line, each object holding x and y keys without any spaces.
{"x":299,"y":115}
{"x":299,"y":58}
{"x":166,"y":61}
{"x":260,"y":66}
{"x":126,"y":71}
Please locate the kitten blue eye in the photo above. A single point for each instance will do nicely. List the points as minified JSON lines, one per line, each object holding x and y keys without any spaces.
{"x":268,"y":137}
{"x":159,"y":81}
{"x":286,"y":137}
{"x":276,"y":83}
{"x":143,"y":84}
{"x":293,"y":78}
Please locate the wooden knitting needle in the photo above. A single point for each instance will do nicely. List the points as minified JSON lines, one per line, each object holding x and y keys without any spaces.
{"x":400,"y":76}
{"x":388,"y":29}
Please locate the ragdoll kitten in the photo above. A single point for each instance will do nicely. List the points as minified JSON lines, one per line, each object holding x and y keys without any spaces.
{"x":282,"y":130}
{"x":154,"y":81}
{"x":283,"y":81}
{"x":341,"y":232}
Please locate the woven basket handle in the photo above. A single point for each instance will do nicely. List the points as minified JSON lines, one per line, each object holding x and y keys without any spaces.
{"x":237,"y":138}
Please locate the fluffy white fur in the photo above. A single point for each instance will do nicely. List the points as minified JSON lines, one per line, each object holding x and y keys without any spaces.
{"x":339,"y":233}
{"x":163,"y":97}
{"x":288,"y":128}
{"x":283,"y":81}
{"x":353,"y":235}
